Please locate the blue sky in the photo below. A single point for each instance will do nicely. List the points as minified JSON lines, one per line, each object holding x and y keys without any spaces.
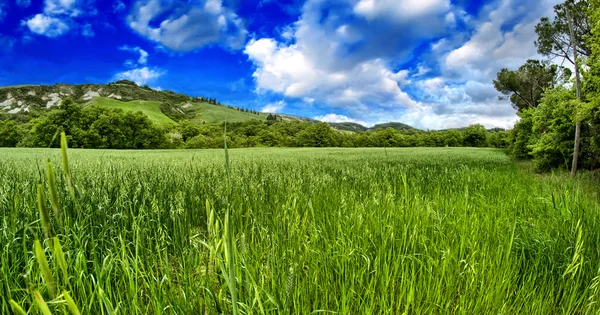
{"x":428,"y":63}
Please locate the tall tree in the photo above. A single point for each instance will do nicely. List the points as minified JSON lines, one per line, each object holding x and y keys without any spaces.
{"x":525,"y":86}
{"x":554,"y":36}
{"x":578,"y":87}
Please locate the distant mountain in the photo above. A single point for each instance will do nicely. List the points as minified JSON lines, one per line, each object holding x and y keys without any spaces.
{"x":348,"y":126}
{"x":393,"y":125}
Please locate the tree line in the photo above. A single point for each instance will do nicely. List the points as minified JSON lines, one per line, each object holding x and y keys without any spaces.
{"x":559,"y":110}
{"x":104,"y":128}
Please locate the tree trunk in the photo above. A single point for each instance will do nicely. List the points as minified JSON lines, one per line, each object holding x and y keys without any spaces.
{"x":578,"y":87}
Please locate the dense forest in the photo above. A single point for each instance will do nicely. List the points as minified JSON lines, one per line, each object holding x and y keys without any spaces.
{"x":106,"y":128}
{"x":554,"y":104}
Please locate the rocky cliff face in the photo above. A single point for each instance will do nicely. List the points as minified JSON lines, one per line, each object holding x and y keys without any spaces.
{"x":38,"y":97}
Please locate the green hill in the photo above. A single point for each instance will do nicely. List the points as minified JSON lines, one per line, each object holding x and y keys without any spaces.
{"x":210,"y":113}
{"x":162,"y":107}
{"x":149,"y":108}
{"x":348,"y":126}
{"x":394,"y":125}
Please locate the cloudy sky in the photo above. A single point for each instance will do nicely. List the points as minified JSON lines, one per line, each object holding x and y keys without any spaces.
{"x":427,"y":63}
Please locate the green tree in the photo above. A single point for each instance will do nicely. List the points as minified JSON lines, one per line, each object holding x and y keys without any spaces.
{"x":317,"y":135}
{"x":9,"y":133}
{"x":475,"y":136}
{"x":553,"y":34}
{"x":525,"y":86}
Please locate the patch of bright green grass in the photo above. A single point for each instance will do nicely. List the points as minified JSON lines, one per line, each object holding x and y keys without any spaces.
{"x":149,"y":108}
{"x":346,"y":231}
{"x":210,"y":114}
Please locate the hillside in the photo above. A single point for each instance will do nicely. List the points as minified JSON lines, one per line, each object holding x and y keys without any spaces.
{"x":149,"y":108}
{"x":162,"y":107}
{"x":393,"y":125}
{"x":348,"y":126}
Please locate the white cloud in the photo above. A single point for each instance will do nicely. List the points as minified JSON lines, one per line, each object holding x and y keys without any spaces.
{"x":142,"y":60}
{"x":335,"y":118}
{"x":140,"y":76}
{"x":400,"y":9}
{"x":62,"y":7}
{"x":421,"y":71}
{"x":344,"y":56}
{"x":274,"y":107}
{"x":187,"y":27}
{"x":288,"y":71}
{"x":46,"y":25}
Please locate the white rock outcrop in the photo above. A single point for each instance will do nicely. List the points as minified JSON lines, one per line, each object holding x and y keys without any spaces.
{"x":115,"y":96}
{"x":9,"y":101}
{"x":90,"y":95}
{"x":54,"y":100}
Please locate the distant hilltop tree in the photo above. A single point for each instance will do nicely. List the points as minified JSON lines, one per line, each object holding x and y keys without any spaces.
{"x":126,"y":82}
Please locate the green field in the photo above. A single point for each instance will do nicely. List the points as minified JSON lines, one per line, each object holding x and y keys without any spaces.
{"x":206,"y":113}
{"x":149,"y":108}
{"x":349,"y":231}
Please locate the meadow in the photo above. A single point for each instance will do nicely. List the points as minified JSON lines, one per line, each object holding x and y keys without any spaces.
{"x":295,"y":231}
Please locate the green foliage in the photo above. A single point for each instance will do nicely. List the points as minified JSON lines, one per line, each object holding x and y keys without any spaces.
{"x":525,"y":86}
{"x":521,"y":136}
{"x":317,"y":135}
{"x":94,"y":127}
{"x":553,"y":130}
{"x":554,"y":35}
{"x":475,"y":136}
{"x":9,"y":134}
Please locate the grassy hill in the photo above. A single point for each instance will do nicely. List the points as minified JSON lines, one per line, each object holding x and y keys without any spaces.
{"x":209,"y":113}
{"x":149,"y":108}
{"x":162,"y":107}
{"x":199,"y":112}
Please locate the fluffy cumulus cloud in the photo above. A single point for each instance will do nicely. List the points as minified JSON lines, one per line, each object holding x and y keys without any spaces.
{"x":186,"y":26}
{"x":345,"y":57}
{"x":463,"y":92}
{"x":46,"y":25}
{"x":58,"y":17}
{"x":140,"y":76}
{"x":274,"y":107}
{"x":139,"y":71}
{"x":340,"y":56}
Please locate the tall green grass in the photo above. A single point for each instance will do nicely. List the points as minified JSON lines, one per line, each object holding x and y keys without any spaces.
{"x":351,"y":231}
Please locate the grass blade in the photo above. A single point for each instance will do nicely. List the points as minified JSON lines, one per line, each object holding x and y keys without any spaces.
{"x":44,"y":216}
{"x":16,"y":308}
{"x":53,"y":192}
{"x":46,"y":272}
{"x":60,"y":258}
{"x":41,"y":303}
{"x":71,"y":304}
